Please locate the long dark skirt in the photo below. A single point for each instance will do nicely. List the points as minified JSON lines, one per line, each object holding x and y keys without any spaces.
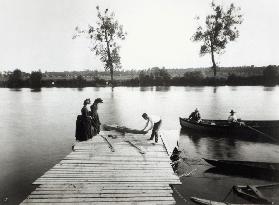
{"x":83,"y":128}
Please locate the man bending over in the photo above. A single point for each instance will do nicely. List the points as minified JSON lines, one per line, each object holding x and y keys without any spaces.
{"x":155,"y":123}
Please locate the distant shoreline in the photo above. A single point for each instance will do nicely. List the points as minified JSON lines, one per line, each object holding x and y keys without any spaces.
{"x":235,"y":76}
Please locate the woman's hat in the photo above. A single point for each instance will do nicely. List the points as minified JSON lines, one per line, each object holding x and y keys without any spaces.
{"x":86,"y":101}
{"x":232,"y":112}
{"x":98,"y":100}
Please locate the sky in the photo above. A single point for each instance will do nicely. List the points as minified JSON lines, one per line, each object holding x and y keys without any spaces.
{"x":37,"y":34}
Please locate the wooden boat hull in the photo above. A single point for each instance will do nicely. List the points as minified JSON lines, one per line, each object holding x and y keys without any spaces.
{"x":224,"y":128}
{"x":210,"y":202}
{"x":245,"y":165}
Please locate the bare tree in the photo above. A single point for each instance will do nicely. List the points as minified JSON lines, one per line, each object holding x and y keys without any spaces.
{"x":105,"y":38}
{"x":219,"y":29}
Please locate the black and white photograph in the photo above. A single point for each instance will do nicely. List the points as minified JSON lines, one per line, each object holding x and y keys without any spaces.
{"x":139,"y":102}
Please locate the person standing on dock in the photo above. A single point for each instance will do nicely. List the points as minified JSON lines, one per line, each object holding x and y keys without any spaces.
{"x":95,"y":117}
{"x":83,"y":123}
{"x":155,"y":123}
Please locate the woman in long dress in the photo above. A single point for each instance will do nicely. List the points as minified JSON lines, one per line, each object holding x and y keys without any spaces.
{"x":83,"y":123}
{"x":95,"y":117}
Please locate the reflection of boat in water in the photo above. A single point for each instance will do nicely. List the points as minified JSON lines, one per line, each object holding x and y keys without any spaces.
{"x":122,"y":129}
{"x":245,"y":165}
{"x":223,"y":127}
{"x":210,"y":202}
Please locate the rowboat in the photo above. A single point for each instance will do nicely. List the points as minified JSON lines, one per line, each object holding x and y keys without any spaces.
{"x":123,"y":129}
{"x":245,"y":165}
{"x":252,"y":192}
{"x":210,"y":202}
{"x":247,"y":128}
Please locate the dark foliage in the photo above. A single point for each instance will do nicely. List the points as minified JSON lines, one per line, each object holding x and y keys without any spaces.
{"x":36,"y":79}
{"x":270,"y":75}
{"x":15,"y":79}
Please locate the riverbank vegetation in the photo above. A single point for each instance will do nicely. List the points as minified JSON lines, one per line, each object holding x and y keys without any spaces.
{"x":236,"y":76}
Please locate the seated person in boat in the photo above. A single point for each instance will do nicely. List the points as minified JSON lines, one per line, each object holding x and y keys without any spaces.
{"x":83,"y":123}
{"x":232,"y":118}
{"x":195,"y":116}
{"x":155,"y":123}
{"x":95,"y":117}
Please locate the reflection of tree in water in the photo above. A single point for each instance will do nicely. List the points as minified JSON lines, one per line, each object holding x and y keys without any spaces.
{"x":16,"y":89}
{"x":268,"y":88}
{"x":80,"y":89}
{"x":146,"y":88}
{"x":162,"y":88}
{"x":215,"y":89}
{"x":36,"y":90}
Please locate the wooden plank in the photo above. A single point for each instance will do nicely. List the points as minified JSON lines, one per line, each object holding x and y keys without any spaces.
{"x":94,"y":174}
{"x":105,"y":203}
{"x":108,"y":199}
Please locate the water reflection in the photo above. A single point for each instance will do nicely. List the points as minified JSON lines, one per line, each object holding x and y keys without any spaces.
{"x":36,"y":90}
{"x":162,"y":88}
{"x":233,"y":88}
{"x":146,"y":88}
{"x":195,"y":89}
{"x":15,"y":89}
{"x":268,"y":88}
{"x":215,"y":89}
{"x":227,"y":147}
{"x":267,"y":176}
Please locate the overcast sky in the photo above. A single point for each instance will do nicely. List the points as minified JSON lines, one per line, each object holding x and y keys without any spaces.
{"x":37,"y":34}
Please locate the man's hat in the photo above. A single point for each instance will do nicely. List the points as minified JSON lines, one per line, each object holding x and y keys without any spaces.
{"x":232,"y":112}
{"x":98,"y":100}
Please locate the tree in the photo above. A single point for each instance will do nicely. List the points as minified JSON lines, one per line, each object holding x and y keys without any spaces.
{"x":36,"y":79}
{"x":270,"y":75}
{"x":105,"y":38}
{"x":15,"y":79}
{"x":220,"y":28}
{"x":80,"y":81}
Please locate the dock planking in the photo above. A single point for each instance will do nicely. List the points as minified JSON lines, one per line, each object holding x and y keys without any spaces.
{"x":122,"y":169}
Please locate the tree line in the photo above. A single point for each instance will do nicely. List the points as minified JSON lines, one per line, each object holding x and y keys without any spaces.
{"x":151,"y":77}
{"x":105,"y":35}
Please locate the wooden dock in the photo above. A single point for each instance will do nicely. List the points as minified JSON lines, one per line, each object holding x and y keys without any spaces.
{"x":109,"y":169}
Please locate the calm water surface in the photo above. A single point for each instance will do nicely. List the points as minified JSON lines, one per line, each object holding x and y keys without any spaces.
{"x":37,"y":127}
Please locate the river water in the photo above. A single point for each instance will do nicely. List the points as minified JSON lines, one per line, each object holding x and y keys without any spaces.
{"x":37,"y":126}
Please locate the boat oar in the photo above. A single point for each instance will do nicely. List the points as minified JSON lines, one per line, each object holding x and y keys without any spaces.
{"x":262,"y":133}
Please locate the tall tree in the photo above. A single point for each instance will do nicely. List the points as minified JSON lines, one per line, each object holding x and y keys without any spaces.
{"x":219,"y":29}
{"x":36,"y":79}
{"x":105,"y":37}
{"x":15,"y":79}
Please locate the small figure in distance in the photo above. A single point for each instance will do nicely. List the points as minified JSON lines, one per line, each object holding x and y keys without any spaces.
{"x":155,"y":123}
{"x":195,"y":116}
{"x":95,"y":117}
{"x":232,"y":118}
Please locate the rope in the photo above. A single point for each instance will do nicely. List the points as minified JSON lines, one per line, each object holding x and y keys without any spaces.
{"x":227,"y":195}
{"x":180,"y":195}
{"x":262,"y":133}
